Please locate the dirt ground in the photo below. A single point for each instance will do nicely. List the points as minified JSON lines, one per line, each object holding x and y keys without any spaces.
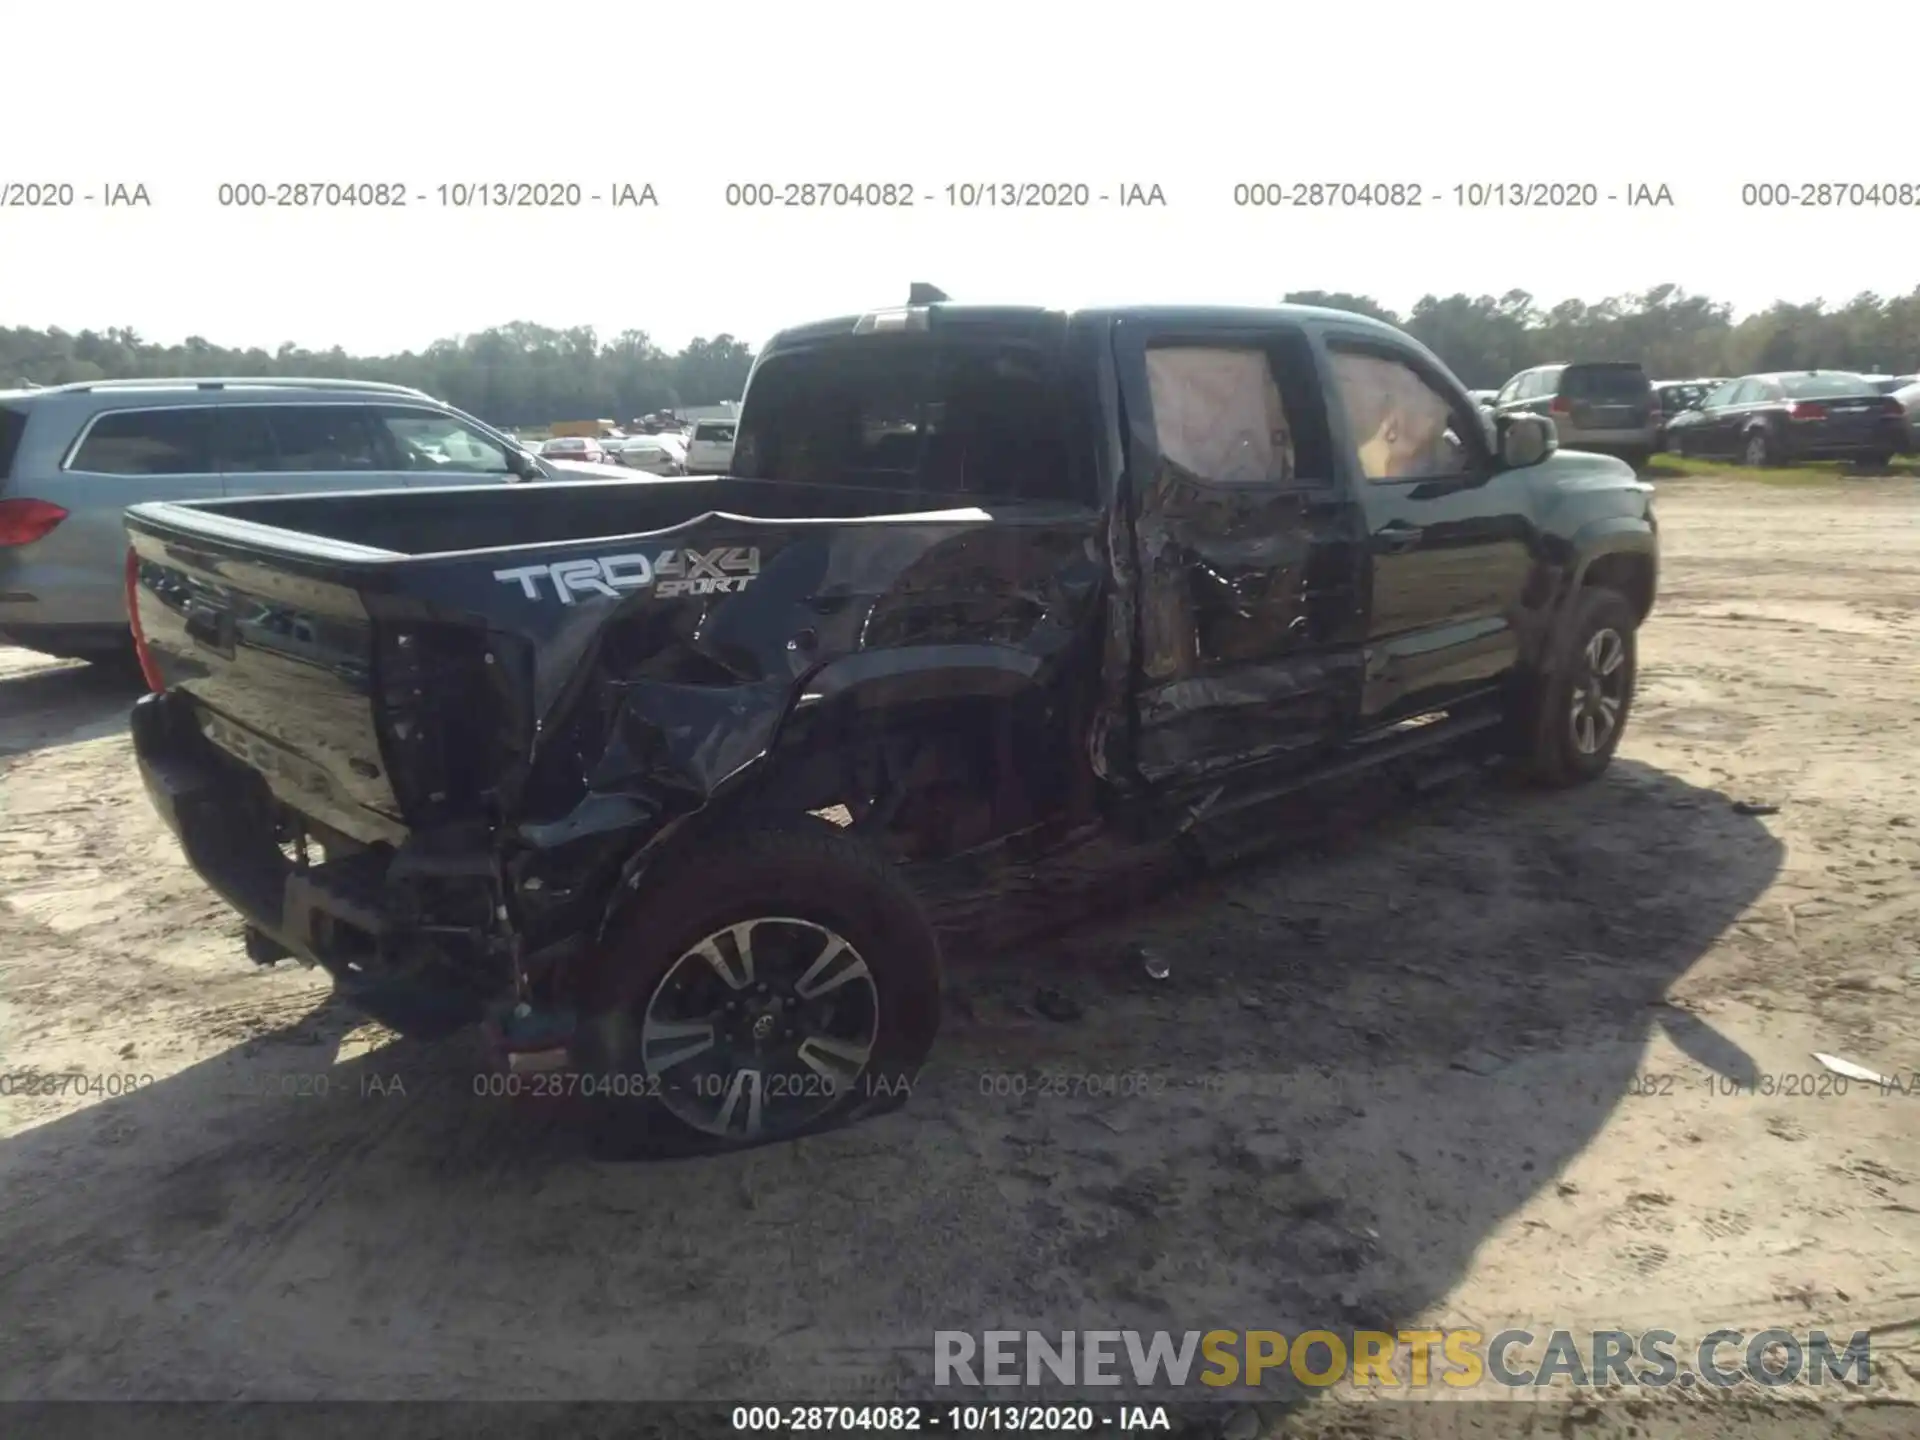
{"x":1498,"y":1059}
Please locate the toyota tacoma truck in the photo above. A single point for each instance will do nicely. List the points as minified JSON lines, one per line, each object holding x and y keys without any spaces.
{"x":639,"y":776}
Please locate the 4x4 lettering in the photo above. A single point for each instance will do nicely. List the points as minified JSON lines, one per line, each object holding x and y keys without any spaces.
{"x":726,"y":571}
{"x":708,"y":565}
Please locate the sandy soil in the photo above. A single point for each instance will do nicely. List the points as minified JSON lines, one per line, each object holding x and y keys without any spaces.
{"x":1499,"y":1059}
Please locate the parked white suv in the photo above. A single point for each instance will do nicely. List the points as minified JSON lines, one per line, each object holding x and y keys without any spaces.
{"x":710,"y":449}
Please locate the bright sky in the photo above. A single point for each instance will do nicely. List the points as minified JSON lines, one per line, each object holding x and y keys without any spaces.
{"x":1195,"y":98}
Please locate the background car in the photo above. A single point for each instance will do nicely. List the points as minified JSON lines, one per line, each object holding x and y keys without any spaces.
{"x":576,"y":448}
{"x":1484,"y":397}
{"x":72,"y":457}
{"x":664,"y":454}
{"x":1908,"y":398}
{"x":1673,"y":396}
{"x":1778,"y":418}
{"x":1603,"y":405}
{"x":710,"y":447}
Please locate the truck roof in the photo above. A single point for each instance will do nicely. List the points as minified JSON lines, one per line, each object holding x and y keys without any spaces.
{"x":949,"y":314}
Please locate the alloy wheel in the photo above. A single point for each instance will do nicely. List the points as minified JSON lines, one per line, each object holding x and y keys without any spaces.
{"x":1599,"y":692}
{"x":760,"y":1028}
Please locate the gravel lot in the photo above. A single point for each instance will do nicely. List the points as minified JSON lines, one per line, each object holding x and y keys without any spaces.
{"x":1496,"y":1059}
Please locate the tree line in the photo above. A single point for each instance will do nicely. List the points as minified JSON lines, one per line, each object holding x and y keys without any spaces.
{"x":1676,"y":335}
{"x":525,"y":374}
{"x":518,"y":374}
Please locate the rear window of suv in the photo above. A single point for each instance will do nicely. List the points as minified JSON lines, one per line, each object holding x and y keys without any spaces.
{"x":148,"y":442}
{"x":12,"y":426}
{"x":716,"y":430}
{"x":1605,"y":382}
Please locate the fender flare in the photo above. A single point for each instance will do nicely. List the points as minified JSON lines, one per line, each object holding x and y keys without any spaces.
{"x":1615,"y":535}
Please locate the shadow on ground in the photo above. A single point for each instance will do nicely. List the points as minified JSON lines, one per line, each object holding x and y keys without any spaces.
{"x":63,"y":704}
{"x":1365,"y":1056}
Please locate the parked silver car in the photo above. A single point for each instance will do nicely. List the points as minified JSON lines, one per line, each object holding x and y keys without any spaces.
{"x":650,"y":454}
{"x":1608,"y":406}
{"x":72,"y":457}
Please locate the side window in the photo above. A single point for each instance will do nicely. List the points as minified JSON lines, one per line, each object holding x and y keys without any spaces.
{"x":429,"y":440}
{"x":1744,"y":392}
{"x":1401,"y":427}
{"x":1511,"y":390}
{"x":1218,"y":414}
{"x":148,"y":442}
{"x":246,"y":441}
{"x":323,"y":438}
{"x":1719,"y":395}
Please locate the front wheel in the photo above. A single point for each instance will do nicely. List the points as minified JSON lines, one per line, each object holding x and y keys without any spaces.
{"x":761,"y":988}
{"x":1572,"y":720}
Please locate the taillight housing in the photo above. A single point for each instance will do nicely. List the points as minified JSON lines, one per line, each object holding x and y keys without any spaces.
{"x":1806,"y":410}
{"x":24,"y":521}
{"x":148,"y":669}
{"x":1560,"y":405}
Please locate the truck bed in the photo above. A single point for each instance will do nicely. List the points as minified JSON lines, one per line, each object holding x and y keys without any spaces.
{"x":465,"y":519}
{"x":396,"y":659}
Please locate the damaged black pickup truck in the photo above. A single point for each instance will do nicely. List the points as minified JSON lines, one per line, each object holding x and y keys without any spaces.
{"x":635,"y":773}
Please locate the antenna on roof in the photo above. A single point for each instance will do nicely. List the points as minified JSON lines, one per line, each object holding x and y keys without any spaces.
{"x":921,"y":293}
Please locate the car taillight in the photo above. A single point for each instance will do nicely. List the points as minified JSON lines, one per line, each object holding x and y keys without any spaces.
{"x":149,"y":670}
{"x":1806,"y":410}
{"x":1560,"y":405}
{"x":24,"y":521}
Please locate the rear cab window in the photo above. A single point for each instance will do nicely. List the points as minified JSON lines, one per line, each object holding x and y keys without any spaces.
{"x":147,"y":442}
{"x":716,"y":431}
{"x":966,"y":414}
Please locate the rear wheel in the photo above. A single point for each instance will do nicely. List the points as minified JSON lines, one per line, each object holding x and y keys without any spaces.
{"x":1571,"y":722}
{"x":1758,"y":450}
{"x":763,"y":989}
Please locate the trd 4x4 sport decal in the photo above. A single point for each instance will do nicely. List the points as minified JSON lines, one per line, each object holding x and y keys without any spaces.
{"x":725,"y":571}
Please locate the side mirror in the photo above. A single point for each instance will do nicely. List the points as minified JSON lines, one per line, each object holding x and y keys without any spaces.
{"x":523,"y":466}
{"x":1527,"y":440}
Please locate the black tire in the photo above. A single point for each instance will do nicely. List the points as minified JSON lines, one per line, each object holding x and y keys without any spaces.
{"x":1757,"y":449}
{"x":1551,"y":739}
{"x":790,"y":885}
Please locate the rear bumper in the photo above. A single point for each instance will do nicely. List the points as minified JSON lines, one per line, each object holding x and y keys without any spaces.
{"x":332,"y":915}
{"x":1637,"y":438}
{"x":1812,"y":443}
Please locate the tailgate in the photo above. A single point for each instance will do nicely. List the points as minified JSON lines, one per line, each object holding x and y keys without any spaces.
{"x":281,"y":664}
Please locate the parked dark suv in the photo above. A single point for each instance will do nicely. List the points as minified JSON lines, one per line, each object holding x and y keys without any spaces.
{"x":1606,"y":406}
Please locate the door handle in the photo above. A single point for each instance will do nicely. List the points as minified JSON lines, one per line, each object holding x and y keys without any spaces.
{"x":1398,"y":536}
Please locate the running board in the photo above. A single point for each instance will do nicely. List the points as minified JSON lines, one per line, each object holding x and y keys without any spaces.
{"x":1210,"y":825}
